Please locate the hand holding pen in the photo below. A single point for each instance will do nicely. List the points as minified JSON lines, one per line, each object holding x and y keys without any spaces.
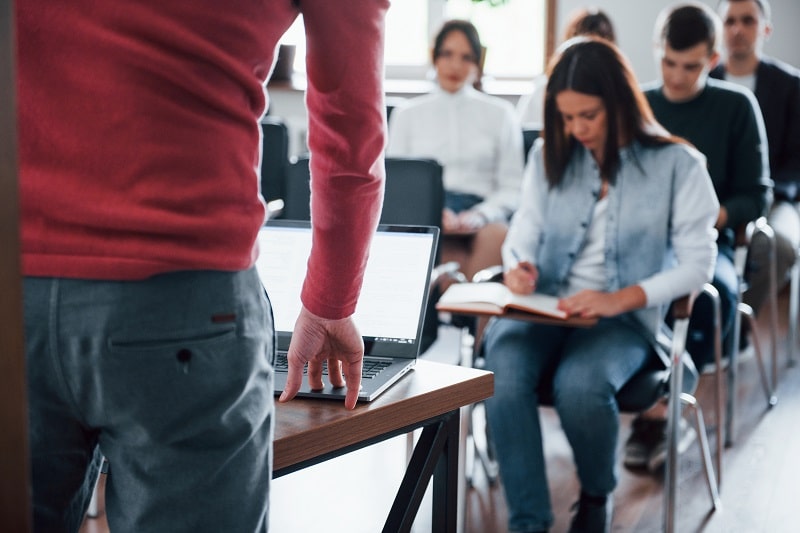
{"x":521,"y":278}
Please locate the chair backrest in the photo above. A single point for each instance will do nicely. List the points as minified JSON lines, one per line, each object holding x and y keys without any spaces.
{"x":414,"y":195}
{"x":391,"y":103}
{"x":297,"y":192}
{"x":274,"y":157}
{"x":529,"y":136}
{"x":414,"y":192}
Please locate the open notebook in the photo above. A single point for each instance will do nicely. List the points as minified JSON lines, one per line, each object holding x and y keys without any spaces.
{"x":390,"y":310}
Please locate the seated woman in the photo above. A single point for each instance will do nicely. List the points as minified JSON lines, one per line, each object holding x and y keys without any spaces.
{"x":617,"y":220}
{"x":478,"y":141}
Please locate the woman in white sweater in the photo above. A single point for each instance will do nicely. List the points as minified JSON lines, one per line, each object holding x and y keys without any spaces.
{"x":477,"y":139}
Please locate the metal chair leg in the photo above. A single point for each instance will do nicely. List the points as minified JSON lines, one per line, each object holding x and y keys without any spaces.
{"x":700,"y":426}
{"x":732,"y":349}
{"x":719,"y":403}
{"x":675,"y":403}
{"x":479,"y":451}
{"x":680,"y":329}
{"x":769,"y":387}
{"x":723,"y":405}
{"x":93,"y":511}
{"x":772,"y":302}
{"x":794,"y":307}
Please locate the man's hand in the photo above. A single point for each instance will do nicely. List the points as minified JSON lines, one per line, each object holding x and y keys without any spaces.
{"x":316,"y":340}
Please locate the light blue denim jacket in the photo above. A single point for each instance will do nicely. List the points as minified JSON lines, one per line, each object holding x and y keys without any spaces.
{"x":659,"y":230}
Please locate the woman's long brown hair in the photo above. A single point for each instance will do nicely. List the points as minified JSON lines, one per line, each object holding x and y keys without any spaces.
{"x":596,"y":67}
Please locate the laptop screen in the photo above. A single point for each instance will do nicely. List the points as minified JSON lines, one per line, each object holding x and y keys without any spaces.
{"x":391,"y":306}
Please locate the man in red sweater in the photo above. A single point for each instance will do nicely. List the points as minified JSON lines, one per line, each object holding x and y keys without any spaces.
{"x":148,"y":335}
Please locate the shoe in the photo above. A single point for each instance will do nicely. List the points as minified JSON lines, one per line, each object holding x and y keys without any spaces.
{"x":645,"y":436}
{"x":594,"y":514}
{"x":686,"y":436}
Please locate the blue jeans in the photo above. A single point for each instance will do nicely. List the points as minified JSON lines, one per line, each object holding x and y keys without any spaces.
{"x":584,"y":369}
{"x":170,"y":378}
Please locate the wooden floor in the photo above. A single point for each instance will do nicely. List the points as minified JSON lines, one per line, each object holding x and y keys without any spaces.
{"x":760,"y":478}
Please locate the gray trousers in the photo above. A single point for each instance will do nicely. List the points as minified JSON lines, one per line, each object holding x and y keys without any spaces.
{"x":170,"y":379}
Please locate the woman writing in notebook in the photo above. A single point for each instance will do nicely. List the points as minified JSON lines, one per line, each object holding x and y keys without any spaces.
{"x":477,"y":139}
{"x":616,"y":219}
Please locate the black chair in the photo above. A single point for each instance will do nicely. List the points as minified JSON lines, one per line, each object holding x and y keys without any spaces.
{"x":529,"y":136}
{"x":274,"y":158}
{"x":391,"y":103}
{"x":758,"y":228}
{"x":296,"y":191}
{"x":414,"y":193}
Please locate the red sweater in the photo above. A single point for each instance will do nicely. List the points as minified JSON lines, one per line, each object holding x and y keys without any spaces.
{"x":139,"y":137}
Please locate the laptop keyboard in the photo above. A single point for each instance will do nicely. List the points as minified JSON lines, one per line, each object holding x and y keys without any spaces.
{"x":370,"y":369}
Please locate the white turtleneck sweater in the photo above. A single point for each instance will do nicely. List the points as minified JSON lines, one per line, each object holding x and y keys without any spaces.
{"x":476,"y":137}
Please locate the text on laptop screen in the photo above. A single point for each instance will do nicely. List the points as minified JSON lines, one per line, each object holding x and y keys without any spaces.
{"x":393,"y":292}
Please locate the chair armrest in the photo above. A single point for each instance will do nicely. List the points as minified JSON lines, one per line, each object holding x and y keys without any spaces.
{"x":449,"y":271}
{"x":682,"y":307}
{"x":274,"y":209}
{"x":492,"y":273}
{"x":759,"y":225}
{"x":688,"y":378}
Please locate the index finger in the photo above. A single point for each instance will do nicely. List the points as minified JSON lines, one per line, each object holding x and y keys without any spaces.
{"x":294,"y":379}
{"x":352,"y":376}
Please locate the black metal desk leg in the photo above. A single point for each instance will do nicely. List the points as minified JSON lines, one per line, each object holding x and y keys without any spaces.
{"x":445,"y":480}
{"x":436,"y":453}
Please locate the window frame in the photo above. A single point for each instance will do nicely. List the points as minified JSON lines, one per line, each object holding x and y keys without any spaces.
{"x":437,"y":16}
{"x":411,"y":79}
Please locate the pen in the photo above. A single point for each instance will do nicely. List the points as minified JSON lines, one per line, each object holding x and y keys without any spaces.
{"x":525,"y":266}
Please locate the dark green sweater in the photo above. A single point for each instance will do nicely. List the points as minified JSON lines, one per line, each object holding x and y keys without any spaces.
{"x":725,"y":124}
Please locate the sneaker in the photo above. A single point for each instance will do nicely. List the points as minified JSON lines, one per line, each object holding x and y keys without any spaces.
{"x":594,"y":514}
{"x":686,"y":436}
{"x":645,"y":436}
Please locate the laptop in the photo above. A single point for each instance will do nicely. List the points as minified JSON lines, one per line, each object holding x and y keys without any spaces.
{"x":390,"y":310}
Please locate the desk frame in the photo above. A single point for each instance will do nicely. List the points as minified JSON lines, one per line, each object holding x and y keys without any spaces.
{"x":311,"y":431}
{"x":435,"y":456}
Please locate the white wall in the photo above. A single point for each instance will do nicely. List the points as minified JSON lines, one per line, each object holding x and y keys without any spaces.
{"x":634,"y":21}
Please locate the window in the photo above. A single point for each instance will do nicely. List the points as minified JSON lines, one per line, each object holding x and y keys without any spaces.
{"x":514,"y":33}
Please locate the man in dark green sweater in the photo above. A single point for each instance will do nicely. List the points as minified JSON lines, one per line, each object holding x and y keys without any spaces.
{"x":724,"y":123}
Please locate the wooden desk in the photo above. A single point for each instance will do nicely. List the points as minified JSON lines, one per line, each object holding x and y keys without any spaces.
{"x":309,"y":431}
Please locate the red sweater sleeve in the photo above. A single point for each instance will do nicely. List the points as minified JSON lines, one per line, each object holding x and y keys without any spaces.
{"x":139,"y":135}
{"x":346,"y":137}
